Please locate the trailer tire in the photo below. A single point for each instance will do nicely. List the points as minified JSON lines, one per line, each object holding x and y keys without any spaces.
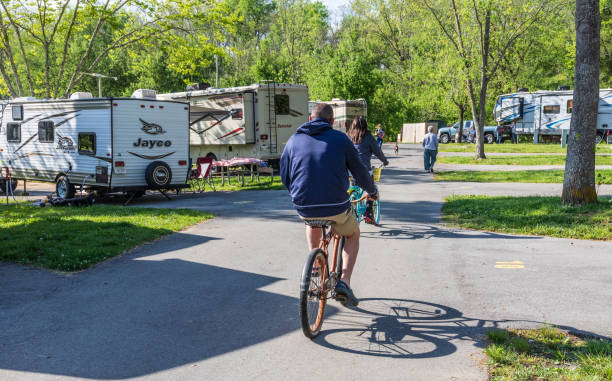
{"x":444,"y":138}
{"x":63,"y":188}
{"x":14,"y":184}
{"x":599,"y":138}
{"x":158,"y":175}
{"x":489,"y":138}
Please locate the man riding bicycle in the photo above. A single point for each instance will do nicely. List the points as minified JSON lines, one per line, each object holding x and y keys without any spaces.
{"x":314,"y":167}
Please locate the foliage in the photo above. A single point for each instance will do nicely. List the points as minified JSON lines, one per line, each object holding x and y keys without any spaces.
{"x":75,"y":238}
{"x":530,"y":215}
{"x":548,"y":354}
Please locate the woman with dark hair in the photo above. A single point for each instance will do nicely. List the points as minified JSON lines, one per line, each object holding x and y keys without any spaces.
{"x":366,"y":146}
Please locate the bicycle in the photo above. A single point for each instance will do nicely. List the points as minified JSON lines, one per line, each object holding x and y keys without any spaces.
{"x":356,"y":193}
{"x":317,"y":281}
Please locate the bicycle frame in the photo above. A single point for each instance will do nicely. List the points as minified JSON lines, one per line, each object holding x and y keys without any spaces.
{"x":336,"y":260}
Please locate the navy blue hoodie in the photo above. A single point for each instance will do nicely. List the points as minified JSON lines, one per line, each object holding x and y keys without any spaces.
{"x":314,"y":167}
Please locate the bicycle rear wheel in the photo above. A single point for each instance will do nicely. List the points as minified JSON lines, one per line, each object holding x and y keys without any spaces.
{"x":376,"y":211}
{"x":313,"y":295}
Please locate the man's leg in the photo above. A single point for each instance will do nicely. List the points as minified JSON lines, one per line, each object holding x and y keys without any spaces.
{"x":349,"y":256}
{"x":426,"y":159}
{"x":433,"y":155}
{"x":313,"y":237}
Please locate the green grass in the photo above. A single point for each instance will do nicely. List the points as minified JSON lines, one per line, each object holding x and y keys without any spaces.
{"x":265,"y":184}
{"x":547,"y":354}
{"x":530,"y":215}
{"x":516,"y":148}
{"x":518,"y":160}
{"x":526,"y":176}
{"x":75,"y":238}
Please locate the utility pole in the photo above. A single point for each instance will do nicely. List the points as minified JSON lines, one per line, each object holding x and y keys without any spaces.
{"x":100,"y":76}
{"x":216,"y":71}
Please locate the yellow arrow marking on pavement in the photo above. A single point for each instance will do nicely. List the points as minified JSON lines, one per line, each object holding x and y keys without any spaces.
{"x":509,"y":265}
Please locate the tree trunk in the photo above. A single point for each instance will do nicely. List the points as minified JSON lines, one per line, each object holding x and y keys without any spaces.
{"x":579,"y":182}
{"x":459,"y":135}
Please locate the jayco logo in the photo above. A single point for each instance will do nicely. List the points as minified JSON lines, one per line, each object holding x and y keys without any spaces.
{"x":152,"y":129}
{"x":152,"y":143}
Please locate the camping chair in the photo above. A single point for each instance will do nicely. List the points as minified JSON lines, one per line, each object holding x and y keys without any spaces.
{"x":202,"y":174}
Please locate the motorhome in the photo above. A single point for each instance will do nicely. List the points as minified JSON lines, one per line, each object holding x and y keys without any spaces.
{"x":108,"y":144}
{"x":344,"y":111}
{"x":249,"y":121}
{"x":549,"y":112}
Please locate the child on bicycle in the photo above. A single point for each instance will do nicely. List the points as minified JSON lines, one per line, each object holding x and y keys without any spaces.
{"x":366,"y":146}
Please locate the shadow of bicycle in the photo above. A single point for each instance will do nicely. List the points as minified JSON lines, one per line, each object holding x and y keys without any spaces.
{"x":400,"y":328}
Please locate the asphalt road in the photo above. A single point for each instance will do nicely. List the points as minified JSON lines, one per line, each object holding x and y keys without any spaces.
{"x":219,"y":301}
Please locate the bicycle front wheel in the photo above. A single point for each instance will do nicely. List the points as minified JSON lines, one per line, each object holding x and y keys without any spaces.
{"x":376,"y":211}
{"x":313,"y":295}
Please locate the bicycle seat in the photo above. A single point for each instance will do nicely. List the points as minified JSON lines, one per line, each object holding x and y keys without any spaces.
{"x":319,"y":223}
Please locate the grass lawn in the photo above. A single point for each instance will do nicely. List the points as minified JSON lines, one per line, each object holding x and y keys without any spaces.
{"x":518,"y":148}
{"x":529,"y":176}
{"x":547,"y":354}
{"x":75,"y":238}
{"x":518,"y":160}
{"x":530,"y":215}
{"x":265,"y":184}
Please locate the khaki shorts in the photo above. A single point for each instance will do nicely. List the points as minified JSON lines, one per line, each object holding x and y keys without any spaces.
{"x":345,"y":222}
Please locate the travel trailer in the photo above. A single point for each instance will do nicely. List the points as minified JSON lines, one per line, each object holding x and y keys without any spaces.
{"x":549,"y":112}
{"x":250,"y":121}
{"x":344,"y":111}
{"x":107,"y":144}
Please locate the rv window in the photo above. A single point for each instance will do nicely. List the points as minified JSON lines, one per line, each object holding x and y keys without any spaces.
{"x":236,"y":113}
{"x":87,"y":143}
{"x":17,"y":112}
{"x":552,"y":109}
{"x":569,"y":106}
{"x":13,"y":132}
{"x":281,"y":104}
{"x":45,"y":131}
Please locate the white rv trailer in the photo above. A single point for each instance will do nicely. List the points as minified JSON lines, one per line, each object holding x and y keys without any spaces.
{"x":249,"y":121}
{"x":344,"y":111}
{"x":549,"y":112}
{"x":108,"y":144}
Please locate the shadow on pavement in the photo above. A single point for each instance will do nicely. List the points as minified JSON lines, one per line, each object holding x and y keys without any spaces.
{"x":402,"y":328}
{"x":142,"y":314}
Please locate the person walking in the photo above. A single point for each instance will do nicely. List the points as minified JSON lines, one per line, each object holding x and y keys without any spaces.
{"x":380,"y":134}
{"x":514,"y":135}
{"x":430,"y":143}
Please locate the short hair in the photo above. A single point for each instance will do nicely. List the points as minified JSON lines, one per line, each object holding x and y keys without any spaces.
{"x":322,"y":111}
{"x":430,"y":128}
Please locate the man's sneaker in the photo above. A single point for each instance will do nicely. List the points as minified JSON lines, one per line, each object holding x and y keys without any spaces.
{"x":345,"y":295}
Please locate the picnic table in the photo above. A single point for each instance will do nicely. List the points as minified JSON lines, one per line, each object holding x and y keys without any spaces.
{"x":241,"y":166}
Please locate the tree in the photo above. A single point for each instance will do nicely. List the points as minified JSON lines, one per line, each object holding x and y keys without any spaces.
{"x":482,"y":32}
{"x":579,"y":181}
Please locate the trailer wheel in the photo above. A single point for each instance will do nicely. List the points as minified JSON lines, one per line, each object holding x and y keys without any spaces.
{"x":3,"y":185}
{"x":489,"y":138}
{"x":64,"y":188}
{"x":599,"y":138}
{"x":444,"y":138}
{"x":158,"y":175}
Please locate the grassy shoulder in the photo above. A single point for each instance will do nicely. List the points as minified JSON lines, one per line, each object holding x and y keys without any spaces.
{"x":75,"y":238}
{"x":544,"y":216}
{"x":265,"y":183}
{"x":527,"y":176}
{"x":518,"y":160}
{"x":547,"y":354}
{"x":516,"y":148}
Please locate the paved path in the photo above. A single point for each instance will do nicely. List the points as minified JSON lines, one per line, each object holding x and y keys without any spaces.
{"x":219,"y":301}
